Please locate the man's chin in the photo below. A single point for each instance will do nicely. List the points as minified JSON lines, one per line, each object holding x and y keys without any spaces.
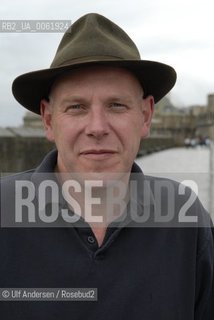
{"x":107,"y":177}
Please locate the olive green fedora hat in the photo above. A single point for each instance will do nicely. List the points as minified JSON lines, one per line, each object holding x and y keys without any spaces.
{"x":93,"y":40}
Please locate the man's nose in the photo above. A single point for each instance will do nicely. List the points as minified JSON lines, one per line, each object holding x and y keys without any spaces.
{"x":97,"y":125}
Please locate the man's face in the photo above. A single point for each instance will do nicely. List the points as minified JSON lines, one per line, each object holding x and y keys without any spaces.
{"x":97,"y":117}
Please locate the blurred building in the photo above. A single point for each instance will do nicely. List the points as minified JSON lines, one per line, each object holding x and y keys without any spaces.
{"x":182,"y":123}
{"x":23,"y":147}
{"x":205,"y":119}
{"x":32,"y":120}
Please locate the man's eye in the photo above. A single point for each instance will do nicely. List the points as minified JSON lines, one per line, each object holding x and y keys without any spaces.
{"x":117,"y":105}
{"x":74,"y":107}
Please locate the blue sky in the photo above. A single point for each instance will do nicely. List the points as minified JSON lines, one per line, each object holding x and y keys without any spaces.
{"x":176,"y":32}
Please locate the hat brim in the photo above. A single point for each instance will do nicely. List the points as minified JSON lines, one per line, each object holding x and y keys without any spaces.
{"x":156,"y":78}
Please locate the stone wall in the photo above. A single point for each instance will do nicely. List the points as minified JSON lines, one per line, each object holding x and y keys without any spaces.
{"x":155,"y":144}
{"x":21,"y":152}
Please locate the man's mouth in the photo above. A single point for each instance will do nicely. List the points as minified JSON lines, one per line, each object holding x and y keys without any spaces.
{"x":97,"y":153}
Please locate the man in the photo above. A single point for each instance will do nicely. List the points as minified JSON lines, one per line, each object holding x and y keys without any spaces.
{"x":87,"y":217}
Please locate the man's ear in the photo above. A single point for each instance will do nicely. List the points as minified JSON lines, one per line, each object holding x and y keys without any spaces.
{"x":147,"y":109}
{"x":47,"y":113}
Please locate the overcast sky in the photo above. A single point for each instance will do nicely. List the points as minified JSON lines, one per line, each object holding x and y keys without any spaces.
{"x":176,"y":32}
